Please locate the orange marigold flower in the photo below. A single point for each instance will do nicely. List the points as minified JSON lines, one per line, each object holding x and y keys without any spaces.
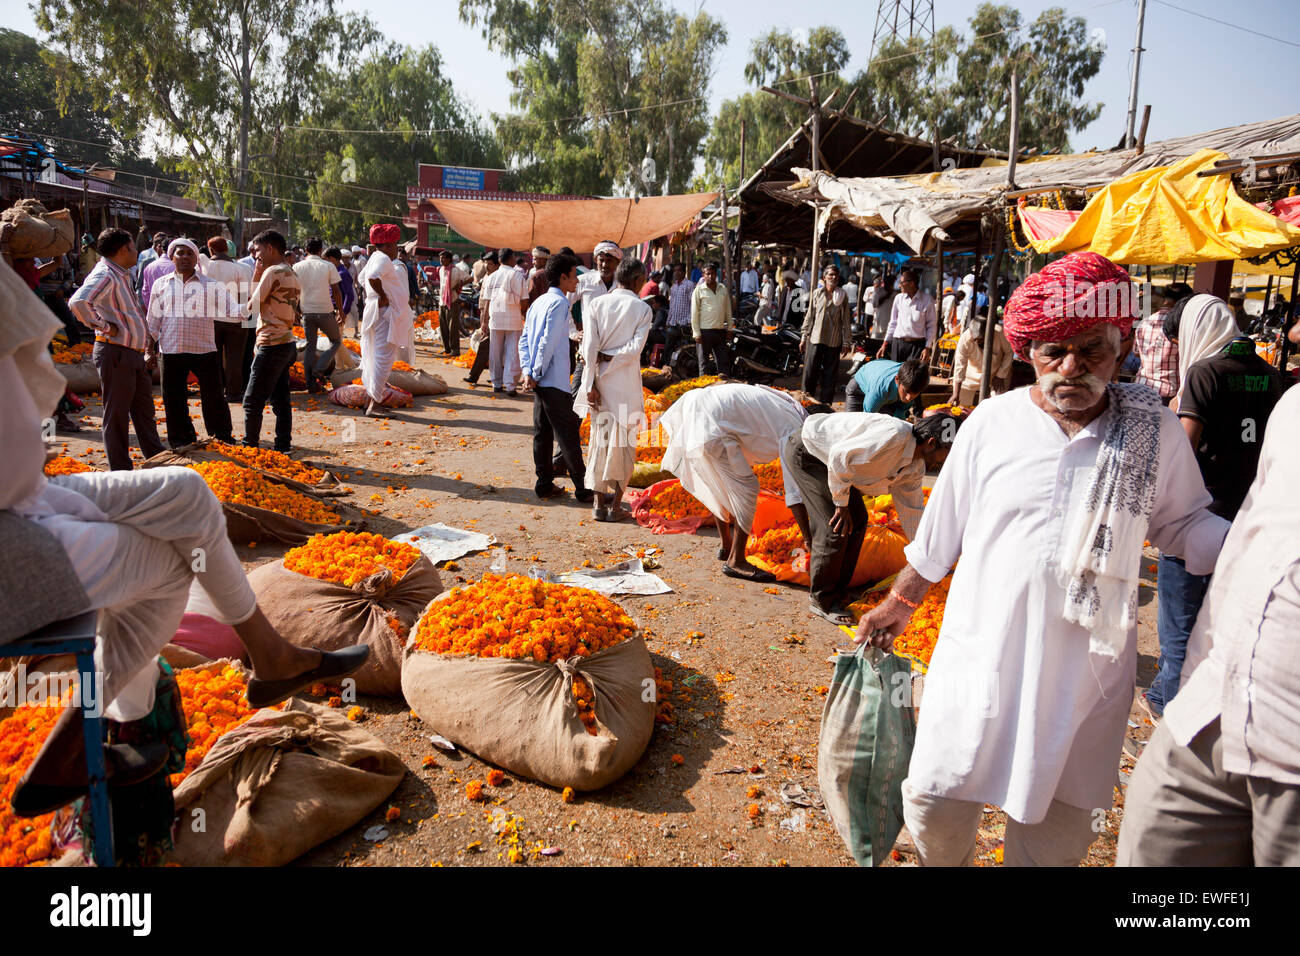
{"x":567,"y":795}
{"x":429,"y":761}
{"x":474,"y":790}
{"x":355,"y":713}
{"x":922,"y":632}
{"x":269,"y":460}
{"x":675,"y":502}
{"x":754,"y":811}
{"x":495,"y":778}
{"x":335,"y":702}
{"x":349,"y":557}
{"x":235,"y":484}
{"x":754,"y":791}
{"x":63,"y":465}
{"x":391,"y":814}
{"x":678,"y":759}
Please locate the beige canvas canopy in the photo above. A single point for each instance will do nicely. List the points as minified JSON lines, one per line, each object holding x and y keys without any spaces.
{"x":576,"y":223}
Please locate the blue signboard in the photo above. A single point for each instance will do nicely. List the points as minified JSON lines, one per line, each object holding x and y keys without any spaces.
{"x":456,"y":177}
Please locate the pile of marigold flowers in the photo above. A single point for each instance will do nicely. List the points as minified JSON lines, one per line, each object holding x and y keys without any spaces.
{"x":63,"y":465}
{"x":72,"y":354}
{"x":519,"y":618}
{"x":23,"y":840}
{"x":776,"y":546}
{"x":214,"y":704}
{"x":276,"y":462}
{"x":674,"y":392}
{"x":918,"y":639}
{"x":352,"y":345}
{"x":466,"y":359}
{"x":676,"y":502}
{"x":770,"y":477}
{"x":400,"y":366}
{"x":234,"y":484}
{"x":653,"y":455}
{"x":349,"y":557}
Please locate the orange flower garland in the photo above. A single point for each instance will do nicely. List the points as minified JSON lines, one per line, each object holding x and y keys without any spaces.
{"x":676,"y":502}
{"x":234,"y":484}
{"x":63,"y":465}
{"x":918,"y":639}
{"x":276,"y":462}
{"x":349,"y":557}
{"x":23,"y":840}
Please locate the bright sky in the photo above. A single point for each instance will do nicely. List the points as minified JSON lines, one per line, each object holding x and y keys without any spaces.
{"x":1197,"y":74}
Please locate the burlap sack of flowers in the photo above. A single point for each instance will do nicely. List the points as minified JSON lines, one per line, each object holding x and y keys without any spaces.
{"x":28,"y":229}
{"x":83,"y":377}
{"x":378,"y":610}
{"x":418,"y":382}
{"x":526,"y":714}
{"x":280,"y":784}
{"x":324,"y":484}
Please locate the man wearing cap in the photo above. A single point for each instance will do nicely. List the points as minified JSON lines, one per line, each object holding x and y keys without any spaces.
{"x":230,"y":329}
{"x":106,"y":302}
{"x":591,"y":286}
{"x":387,"y":306}
{"x":184,"y":308}
{"x":1047,"y":498}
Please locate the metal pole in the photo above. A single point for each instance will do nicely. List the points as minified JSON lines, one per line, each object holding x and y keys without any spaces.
{"x":991,"y":326}
{"x":1129,"y":140}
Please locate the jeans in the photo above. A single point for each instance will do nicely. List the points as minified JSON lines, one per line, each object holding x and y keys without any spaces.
{"x":127,"y":388}
{"x":328,"y":324}
{"x":206,"y":367}
{"x":1180,"y":595}
{"x":269,"y":378}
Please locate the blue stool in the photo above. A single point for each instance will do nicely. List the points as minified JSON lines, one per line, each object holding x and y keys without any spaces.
{"x":76,"y":636}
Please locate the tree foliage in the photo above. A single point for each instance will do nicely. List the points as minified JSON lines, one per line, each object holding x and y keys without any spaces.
{"x":220,"y":78}
{"x":590,"y":80}
{"x":784,"y":60}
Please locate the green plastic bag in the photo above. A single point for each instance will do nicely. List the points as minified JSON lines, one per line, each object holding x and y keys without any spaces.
{"x":868,"y":727}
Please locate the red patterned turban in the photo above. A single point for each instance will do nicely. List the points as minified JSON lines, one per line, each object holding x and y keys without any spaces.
{"x":1068,"y":296}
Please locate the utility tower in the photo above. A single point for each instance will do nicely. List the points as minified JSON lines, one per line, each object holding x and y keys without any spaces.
{"x":901,"y":20}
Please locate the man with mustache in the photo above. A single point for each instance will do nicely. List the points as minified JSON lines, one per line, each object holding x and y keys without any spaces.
{"x":1047,"y":497}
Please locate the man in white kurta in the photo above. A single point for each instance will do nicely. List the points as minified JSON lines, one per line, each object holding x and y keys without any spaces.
{"x":716,"y":436}
{"x":1023,"y":708}
{"x":386,"y":314}
{"x":614,"y":330}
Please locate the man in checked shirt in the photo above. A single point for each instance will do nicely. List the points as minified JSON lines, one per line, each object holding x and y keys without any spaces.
{"x":106,"y":302}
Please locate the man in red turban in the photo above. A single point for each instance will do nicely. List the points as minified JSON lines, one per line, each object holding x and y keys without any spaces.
{"x":387,"y":316}
{"x":1047,"y":497}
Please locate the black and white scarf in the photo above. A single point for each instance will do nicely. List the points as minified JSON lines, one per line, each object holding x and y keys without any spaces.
{"x":1102,"y":552}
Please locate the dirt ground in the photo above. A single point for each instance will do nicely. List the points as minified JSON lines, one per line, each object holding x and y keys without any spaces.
{"x":745,"y":695}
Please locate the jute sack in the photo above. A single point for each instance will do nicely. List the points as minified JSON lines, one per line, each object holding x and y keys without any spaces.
{"x":248,"y":525}
{"x":327,"y":615}
{"x":27,"y":228}
{"x":327,"y":487}
{"x":344,"y":359}
{"x":280,"y":784}
{"x":418,"y":382}
{"x":520,"y":714}
{"x":83,"y":377}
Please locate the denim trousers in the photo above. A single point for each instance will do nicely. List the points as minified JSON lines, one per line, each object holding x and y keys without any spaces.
{"x":1180,"y":595}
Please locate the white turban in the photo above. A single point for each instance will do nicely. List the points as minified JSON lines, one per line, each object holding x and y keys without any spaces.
{"x":609,"y":247}
{"x":171,"y":247}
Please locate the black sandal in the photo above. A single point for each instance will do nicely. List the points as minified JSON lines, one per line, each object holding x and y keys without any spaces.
{"x":756,"y":575}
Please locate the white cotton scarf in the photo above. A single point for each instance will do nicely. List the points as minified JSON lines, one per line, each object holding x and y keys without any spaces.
{"x":1102,"y":551}
{"x":1208,"y":324}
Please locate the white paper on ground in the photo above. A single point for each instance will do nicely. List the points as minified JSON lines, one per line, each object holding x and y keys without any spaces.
{"x":440,"y":542}
{"x":628,"y":577}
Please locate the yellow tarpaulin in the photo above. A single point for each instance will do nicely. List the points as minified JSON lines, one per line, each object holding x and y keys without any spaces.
{"x":1170,"y":215}
{"x":576,"y":223}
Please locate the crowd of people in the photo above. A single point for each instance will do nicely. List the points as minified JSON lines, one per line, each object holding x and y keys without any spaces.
{"x":1044,"y":499}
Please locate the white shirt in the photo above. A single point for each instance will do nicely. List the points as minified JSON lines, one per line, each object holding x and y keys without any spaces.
{"x":748,"y":281}
{"x":316,"y":276}
{"x":913,"y":317}
{"x":504,"y":289}
{"x":392,"y":277}
{"x":1243,"y":656}
{"x":1017,"y":713}
{"x":874,"y":454}
{"x":237,"y":279}
{"x":590,"y":286}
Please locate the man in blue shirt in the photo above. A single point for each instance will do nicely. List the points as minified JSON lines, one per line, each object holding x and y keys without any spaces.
{"x":887,"y":387}
{"x":544,"y":361}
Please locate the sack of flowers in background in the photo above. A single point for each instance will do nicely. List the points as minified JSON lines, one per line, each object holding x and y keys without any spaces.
{"x":276,"y":466}
{"x":259,"y":509}
{"x":549,"y":682}
{"x":349,"y":588}
{"x":667,"y":508}
{"x":354,"y":395}
{"x":344,"y":359}
{"x":279,"y":784}
{"x":416,"y":380}
{"x":918,"y":639}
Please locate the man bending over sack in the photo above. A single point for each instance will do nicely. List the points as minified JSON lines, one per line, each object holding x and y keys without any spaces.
{"x":138,"y":546}
{"x":716,"y":436}
{"x":1047,"y":498}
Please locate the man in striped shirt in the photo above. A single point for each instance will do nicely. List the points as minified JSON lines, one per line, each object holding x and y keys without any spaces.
{"x":1158,"y":353}
{"x":106,"y":302}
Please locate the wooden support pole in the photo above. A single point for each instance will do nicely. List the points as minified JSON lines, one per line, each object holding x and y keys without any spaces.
{"x":990,"y":327}
{"x":1015,"y":130}
{"x":815,"y":266}
{"x":1285,"y":350}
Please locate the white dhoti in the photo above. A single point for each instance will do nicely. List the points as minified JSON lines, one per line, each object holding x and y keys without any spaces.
{"x":614,"y":333}
{"x":377,"y":351}
{"x":171,"y":552}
